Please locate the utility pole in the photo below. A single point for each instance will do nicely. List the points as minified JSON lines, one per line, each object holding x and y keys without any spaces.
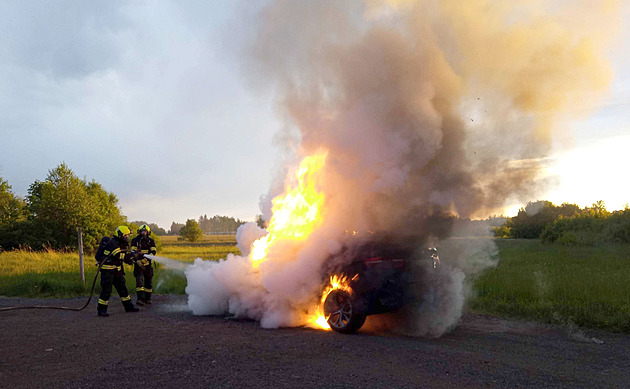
{"x":81,"y":256}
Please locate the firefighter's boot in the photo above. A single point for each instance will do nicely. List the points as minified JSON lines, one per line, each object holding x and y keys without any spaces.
{"x":147,"y":298}
{"x":129,"y":307}
{"x":140,"y":299}
{"x":101,"y":310}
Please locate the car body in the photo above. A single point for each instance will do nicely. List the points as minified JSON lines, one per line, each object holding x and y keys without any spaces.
{"x":381,"y":277}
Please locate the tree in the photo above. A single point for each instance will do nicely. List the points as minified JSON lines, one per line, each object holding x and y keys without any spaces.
{"x":59,"y":205}
{"x":191,"y":231}
{"x":532,"y":219}
{"x":205,"y":224}
{"x":597,"y":210}
{"x":175,"y":228}
{"x":12,"y":207}
{"x":219,"y":224}
{"x":591,"y":226}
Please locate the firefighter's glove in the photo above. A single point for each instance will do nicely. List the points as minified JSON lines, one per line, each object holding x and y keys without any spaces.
{"x":128,"y":259}
{"x":143,"y":262}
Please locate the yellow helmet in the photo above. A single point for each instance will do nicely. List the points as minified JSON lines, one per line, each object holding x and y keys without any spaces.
{"x":145,"y":228}
{"x":121,"y":231}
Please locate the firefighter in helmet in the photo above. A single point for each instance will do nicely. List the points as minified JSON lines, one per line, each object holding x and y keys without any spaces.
{"x":143,"y":269}
{"x":112,"y":252}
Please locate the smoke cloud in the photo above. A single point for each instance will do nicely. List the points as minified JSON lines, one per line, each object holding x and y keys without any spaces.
{"x":426,"y":109}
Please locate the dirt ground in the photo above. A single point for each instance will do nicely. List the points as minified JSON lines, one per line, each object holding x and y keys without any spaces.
{"x":166,"y":346}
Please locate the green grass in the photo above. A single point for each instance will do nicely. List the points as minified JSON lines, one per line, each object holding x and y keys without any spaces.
{"x":190,"y":253}
{"x":56,"y":274}
{"x":172,"y":240}
{"x":46,"y":274}
{"x":211,"y":247}
{"x":584,"y":286}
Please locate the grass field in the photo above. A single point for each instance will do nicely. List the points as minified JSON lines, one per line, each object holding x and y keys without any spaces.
{"x":56,"y":274}
{"x":585,"y":286}
{"x":211,"y":247}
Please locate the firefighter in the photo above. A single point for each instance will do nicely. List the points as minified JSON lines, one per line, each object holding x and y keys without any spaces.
{"x":113,"y":251}
{"x":143,"y":269}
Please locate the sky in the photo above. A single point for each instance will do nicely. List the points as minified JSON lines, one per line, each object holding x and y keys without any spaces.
{"x":591,"y":164}
{"x":151,"y":100}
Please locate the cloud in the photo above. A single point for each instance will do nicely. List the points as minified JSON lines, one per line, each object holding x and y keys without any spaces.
{"x":145,"y":98}
{"x":62,"y":39}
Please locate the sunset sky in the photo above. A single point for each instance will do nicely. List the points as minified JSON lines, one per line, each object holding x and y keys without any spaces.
{"x":151,"y":100}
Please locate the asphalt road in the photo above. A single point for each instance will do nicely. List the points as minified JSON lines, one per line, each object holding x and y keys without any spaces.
{"x":165,"y":346}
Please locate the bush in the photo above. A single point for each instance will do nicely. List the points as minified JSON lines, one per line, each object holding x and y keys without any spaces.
{"x":590,"y":228}
{"x":191,"y":231}
{"x":502,"y":232}
{"x":532,"y":219}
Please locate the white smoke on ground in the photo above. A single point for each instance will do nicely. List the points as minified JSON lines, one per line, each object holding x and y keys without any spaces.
{"x":426,"y":109}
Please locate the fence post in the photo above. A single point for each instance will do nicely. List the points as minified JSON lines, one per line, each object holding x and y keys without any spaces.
{"x":81,"y":256}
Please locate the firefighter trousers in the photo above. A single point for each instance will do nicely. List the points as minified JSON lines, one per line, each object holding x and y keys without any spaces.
{"x":144,"y":281}
{"x":114,"y":278}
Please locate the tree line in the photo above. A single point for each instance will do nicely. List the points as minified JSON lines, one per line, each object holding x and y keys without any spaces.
{"x":568,"y":224}
{"x":213,"y":225}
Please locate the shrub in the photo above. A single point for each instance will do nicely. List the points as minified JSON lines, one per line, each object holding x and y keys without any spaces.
{"x":191,"y":231}
{"x":590,"y":228}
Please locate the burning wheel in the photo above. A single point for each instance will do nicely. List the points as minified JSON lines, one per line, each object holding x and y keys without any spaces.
{"x":341,"y":312}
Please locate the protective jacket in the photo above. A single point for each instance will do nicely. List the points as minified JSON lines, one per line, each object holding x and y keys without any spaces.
{"x":112,"y":274}
{"x":144,"y":245}
{"x":143,"y":271}
{"x":117,"y":253}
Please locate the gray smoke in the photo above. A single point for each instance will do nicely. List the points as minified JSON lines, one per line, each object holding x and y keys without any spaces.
{"x":427,"y":109}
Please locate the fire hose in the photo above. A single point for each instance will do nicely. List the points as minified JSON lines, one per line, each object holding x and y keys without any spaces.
{"x":63,"y":308}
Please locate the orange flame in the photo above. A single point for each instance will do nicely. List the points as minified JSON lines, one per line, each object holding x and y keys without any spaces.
{"x":319,"y":320}
{"x":295,"y":213}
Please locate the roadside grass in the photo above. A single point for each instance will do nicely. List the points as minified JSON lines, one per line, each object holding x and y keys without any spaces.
{"x":583,"y":286}
{"x":47,"y":274}
{"x":51,"y":273}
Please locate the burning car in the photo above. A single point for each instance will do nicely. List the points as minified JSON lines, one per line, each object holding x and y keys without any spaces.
{"x":378,"y":277}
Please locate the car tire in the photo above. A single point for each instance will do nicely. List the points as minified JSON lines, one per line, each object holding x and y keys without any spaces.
{"x":341,"y":310}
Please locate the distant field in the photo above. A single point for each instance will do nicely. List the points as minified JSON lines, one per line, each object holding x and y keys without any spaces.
{"x":211,"y":247}
{"x":584,"y":286}
{"x":207,"y":239}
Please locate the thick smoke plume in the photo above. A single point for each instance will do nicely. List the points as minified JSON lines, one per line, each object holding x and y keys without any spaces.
{"x":425,"y":109}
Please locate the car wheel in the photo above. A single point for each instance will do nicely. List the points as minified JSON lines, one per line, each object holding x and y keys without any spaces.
{"x":341,"y":311}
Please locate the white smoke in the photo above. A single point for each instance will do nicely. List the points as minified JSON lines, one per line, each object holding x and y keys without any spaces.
{"x":233,"y":286}
{"x":170,"y":264}
{"x":246,"y":235}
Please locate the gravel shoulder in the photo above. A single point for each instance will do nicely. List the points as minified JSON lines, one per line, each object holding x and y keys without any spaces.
{"x":166,"y":346}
